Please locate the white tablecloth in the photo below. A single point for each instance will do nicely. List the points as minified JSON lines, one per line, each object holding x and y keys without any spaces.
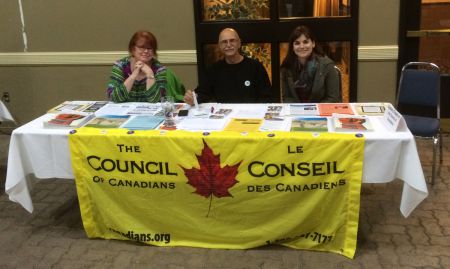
{"x":5,"y":115}
{"x":44,"y":153}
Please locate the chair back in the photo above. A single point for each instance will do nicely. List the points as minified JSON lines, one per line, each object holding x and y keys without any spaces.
{"x":338,"y":70}
{"x":419,"y":85}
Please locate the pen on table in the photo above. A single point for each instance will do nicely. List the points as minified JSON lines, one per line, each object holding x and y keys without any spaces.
{"x":194,"y":96}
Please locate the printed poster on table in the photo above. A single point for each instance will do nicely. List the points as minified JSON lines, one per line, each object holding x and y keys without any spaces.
{"x":220,"y":190}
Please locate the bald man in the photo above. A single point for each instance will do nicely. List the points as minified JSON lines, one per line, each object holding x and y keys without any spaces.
{"x":234,"y":79}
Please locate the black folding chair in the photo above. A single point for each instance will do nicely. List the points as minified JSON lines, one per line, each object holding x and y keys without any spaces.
{"x":340,"y":81}
{"x":419,"y":91}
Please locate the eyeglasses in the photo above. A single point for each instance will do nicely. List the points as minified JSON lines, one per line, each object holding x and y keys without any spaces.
{"x":144,"y":48}
{"x":228,"y":41}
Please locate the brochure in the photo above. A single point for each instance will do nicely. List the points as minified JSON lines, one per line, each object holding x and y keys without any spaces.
{"x":95,"y":106}
{"x":309,"y":124}
{"x":303,"y":109}
{"x":244,"y":125}
{"x":346,"y":123}
{"x":202,"y":124}
{"x":143,"y":122}
{"x":370,"y":109}
{"x":274,"y":109}
{"x":340,"y":108}
{"x":68,"y":120}
{"x":108,"y":121}
{"x":71,"y":106}
{"x":275,"y":124}
{"x":115,"y":109}
{"x":251,"y":113}
{"x":220,"y":114}
{"x":144,"y":109}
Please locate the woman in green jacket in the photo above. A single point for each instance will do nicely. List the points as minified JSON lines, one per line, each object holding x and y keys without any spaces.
{"x":140,"y":77}
{"x":308,"y":76}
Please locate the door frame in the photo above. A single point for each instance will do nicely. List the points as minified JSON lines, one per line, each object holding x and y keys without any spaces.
{"x":408,"y":47}
{"x":275,"y":31}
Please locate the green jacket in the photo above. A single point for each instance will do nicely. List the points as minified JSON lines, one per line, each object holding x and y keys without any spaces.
{"x":326,"y":86}
{"x":166,"y":83}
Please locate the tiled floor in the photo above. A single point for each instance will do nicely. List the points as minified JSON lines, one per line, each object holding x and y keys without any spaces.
{"x":53,"y":236}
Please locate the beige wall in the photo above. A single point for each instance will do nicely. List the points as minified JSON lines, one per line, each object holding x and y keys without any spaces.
{"x":83,"y":26}
{"x":378,"y":26}
{"x":86,"y":25}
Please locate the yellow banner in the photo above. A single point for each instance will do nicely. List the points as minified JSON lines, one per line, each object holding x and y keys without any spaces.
{"x":220,"y":190}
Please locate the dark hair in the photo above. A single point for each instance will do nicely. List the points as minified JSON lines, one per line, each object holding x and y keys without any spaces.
{"x":291,"y":59}
{"x":149,"y":40}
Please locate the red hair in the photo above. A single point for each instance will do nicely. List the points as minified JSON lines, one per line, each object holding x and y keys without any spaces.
{"x":148,"y":38}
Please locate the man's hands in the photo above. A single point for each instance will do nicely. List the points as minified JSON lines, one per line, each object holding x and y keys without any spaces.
{"x":189,"y":97}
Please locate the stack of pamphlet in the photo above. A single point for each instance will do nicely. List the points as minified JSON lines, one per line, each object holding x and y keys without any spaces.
{"x":244,"y":125}
{"x":328,"y":109}
{"x":303,"y":109}
{"x":68,"y":120}
{"x":143,"y":122}
{"x":134,"y":108}
{"x":309,"y":124}
{"x":95,"y":106}
{"x":351,"y":123}
{"x":78,"y":106}
{"x":370,"y":109}
{"x":108,"y":121}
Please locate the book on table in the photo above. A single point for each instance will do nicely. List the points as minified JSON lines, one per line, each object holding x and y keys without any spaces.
{"x":303,"y":109}
{"x":75,"y":106}
{"x":145,"y":109}
{"x":115,"y":109}
{"x":275,"y":123}
{"x":220,"y":113}
{"x":131,"y":108}
{"x":143,"y":122}
{"x":370,"y":109}
{"x":107,"y":121}
{"x":68,"y":120}
{"x":309,"y":124}
{"x":202,"y":124}
{"x":274,"y":109}
{"x":244,"y":125}
{"x":351,"y":123}
{"x":328,"y":109}
{"x":95,"y":106}
{"x":273,"y":113}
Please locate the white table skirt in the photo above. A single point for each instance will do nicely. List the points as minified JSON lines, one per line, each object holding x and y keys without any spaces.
{"x":45,"y":154}
{"x":5,"y":115}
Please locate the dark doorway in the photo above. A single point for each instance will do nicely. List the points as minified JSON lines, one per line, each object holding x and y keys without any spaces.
{"x":264,"y":28}
{"x":424,"y":35}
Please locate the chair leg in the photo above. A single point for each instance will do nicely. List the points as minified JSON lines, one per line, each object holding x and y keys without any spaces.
{"x":440,"y":147}
{"x":433,"y":171}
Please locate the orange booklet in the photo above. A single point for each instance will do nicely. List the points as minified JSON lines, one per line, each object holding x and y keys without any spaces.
{"x":339,"y":108}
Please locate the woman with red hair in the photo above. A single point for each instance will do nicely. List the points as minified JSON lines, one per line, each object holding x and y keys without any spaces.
{"x":140,"y":77}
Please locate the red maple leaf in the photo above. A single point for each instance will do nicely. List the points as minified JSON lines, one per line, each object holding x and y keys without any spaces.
{"x":211,"y":179}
